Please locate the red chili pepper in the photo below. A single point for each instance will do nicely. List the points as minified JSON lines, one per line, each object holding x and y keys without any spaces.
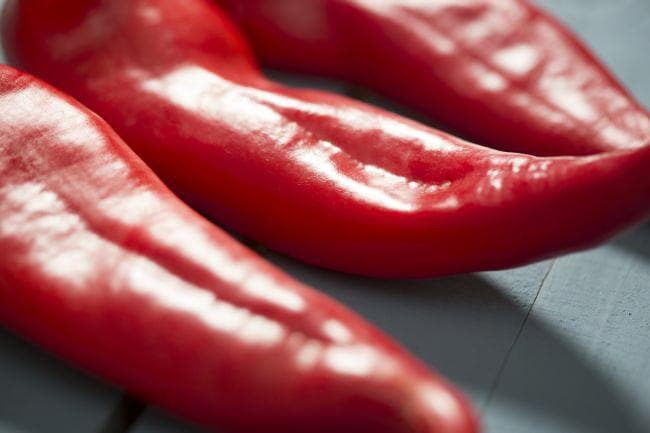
{"x":102,"y":264}
{"x":502,"y":72}
{"x":328,"y":180}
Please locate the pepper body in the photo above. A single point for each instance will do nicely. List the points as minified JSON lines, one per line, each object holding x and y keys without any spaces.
{"x":501,"y":72}
{"x":323,"y":178}
{"x":103,"y":265}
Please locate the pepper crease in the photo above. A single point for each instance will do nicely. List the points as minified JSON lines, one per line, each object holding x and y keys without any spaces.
{"x":103,"y":265}
{"x":318,"y":176}
{"x":502,"y":72}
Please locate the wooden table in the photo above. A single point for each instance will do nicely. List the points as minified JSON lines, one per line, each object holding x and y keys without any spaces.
{"x":560,"y":346}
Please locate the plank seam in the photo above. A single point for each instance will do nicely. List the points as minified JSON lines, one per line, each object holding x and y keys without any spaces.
{"x":506,"y":358}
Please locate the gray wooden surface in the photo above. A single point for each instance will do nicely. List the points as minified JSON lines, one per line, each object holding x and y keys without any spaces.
{"x":560,"y":346}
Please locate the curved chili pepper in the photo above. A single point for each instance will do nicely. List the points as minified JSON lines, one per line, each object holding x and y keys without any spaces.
{"x":328,"y":180}
{"x":102,"y":264}
{"x":502,"y":72}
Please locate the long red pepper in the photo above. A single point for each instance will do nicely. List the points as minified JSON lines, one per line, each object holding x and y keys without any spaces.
{"x":502,"y":72}
{"x":321,"y":177}
{"x":102,"y":264}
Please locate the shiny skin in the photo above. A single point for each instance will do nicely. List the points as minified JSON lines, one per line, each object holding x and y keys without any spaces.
{"x":323,"y":178}
{"x":102,"y":264}
{"x":501,"y":72}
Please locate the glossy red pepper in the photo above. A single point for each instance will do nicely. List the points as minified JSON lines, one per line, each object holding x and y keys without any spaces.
{"x":102,"y":264}
{"x":326,"y":179}
{"x":501,"y":72}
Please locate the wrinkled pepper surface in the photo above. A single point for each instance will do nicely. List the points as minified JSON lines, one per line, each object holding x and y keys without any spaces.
{"x":321,"y":177}
{"x":501,"y":72}
{"x":103,"y":265}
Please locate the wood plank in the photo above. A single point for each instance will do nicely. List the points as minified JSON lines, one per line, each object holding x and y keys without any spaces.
{"x":582,"y":362}
{"x":41,"y":394}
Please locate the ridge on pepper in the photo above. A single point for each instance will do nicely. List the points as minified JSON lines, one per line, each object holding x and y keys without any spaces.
{"x":320,"y":177}
{"x":101,"y":264}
